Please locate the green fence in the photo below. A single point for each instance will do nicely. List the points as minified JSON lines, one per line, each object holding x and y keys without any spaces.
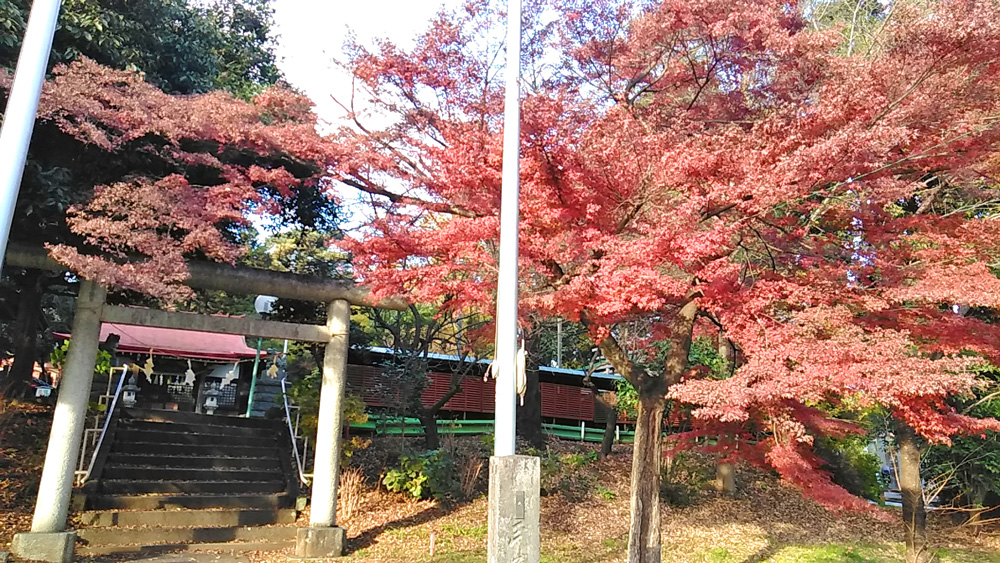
{"x":394,"y":426}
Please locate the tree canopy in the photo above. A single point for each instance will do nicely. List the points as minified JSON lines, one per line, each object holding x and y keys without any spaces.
{"x":174,"y":173}
{"x":706,"y":166}
{"x":180,"y":47}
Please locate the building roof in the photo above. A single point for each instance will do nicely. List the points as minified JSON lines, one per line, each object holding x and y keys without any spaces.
{"x":606,"y":373}
{"x":581,"y":373}
{"x":177,"y":343}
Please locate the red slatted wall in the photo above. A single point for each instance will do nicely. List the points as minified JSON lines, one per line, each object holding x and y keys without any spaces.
{"x":476,"y":396}
{"x":564,"y":401}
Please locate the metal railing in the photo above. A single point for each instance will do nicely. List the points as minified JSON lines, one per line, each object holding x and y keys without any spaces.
{"x":293,"y":430}
{"x":396,"y":426}
{"x":81,"y":475}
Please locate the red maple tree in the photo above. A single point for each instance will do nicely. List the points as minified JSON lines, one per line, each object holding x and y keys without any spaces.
{"x":161,"y":177}
{"x":716,"y":162}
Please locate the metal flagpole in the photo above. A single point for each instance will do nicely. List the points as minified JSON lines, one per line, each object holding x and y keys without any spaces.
{"x":19,"y":117}
{"x":506,"y":318}
{"x":513,"y":534}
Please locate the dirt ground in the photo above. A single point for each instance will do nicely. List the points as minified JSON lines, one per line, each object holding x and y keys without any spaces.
{"x":759,"y":524}
{"x":584,"y":515}
{"x":24,"y":432}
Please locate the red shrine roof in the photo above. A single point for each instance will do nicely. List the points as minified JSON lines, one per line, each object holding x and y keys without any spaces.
{"x":178,"y":343}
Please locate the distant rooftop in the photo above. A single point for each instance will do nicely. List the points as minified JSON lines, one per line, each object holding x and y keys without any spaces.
{"x":604,"y":372}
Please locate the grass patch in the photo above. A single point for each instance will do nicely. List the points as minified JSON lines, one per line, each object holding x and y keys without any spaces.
{"x":836,"y":553}
{"x":966,"y":556}
{"x":718,"y":555}
{"x":615,"y":543}
{"x":459,"y":531}
{"x":610,"y":549}
{"x":831,"y":554}
{"x":470,"y":556}
{"x":407,"y":532}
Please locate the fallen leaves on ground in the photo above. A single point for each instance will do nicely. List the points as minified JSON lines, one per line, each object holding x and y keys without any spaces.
{"x":766,"y":522}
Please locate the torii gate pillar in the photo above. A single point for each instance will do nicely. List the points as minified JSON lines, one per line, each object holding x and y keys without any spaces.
{"x":48,"y":540}
{"x":323,"y":538}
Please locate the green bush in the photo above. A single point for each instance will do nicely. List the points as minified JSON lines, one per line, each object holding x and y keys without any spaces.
{"x":577,"y":460}
{"x":58,"y":359}
{"x":305,"y":394}
{"x":851,"y":466}
{"x":426,"y":475}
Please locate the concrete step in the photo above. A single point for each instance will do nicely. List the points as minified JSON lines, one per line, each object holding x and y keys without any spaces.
{"x":189,"y":474}
{"x":161,"y":535}
{"x":194,"y":418}
{"x":192,"y":428}
{"x":150,"y":550}
{"x":191,"y":518}
{"x":161,"y":449}
{"x":215,"y":487}
{"x":125,"y":434}
{"x":194,"y":461}
{"x":193,"y":501}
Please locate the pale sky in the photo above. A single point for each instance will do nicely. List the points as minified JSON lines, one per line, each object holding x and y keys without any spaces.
{"x":312,"y":32}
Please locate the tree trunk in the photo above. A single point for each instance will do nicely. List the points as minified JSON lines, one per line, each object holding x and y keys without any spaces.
{"x":914,"y":515}
{"x":609,"y":433}
{"x":428,"y":415}
{"x":644,"y":541}
{"x":428,"y":420}
{"x":25,"y":336}
{"x":606,"y":405}
{"x":529,"y":415}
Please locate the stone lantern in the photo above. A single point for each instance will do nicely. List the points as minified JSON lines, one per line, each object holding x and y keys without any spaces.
{"x":129,"y":391}
{"x":211,"y":399}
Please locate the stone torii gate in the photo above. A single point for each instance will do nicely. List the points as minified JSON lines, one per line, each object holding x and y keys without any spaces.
{"x":48,"y":539}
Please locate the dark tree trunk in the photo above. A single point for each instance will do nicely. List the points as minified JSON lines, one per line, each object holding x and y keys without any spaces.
{"x":428,"y":420}
{"x":914,"y":514}
{"x":529,"y":412}
{"x":25,"y":337}
{"x":607,"y":406}
{"x":529,"y":415}
{"x":609,"y":432}
{"x":644,"y":541}
{"x":428,"y":415}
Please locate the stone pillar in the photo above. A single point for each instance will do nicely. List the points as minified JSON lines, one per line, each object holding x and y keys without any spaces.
{"x":514,"y":535}
{"x":48,"y":540}
{"x":323,"y":538}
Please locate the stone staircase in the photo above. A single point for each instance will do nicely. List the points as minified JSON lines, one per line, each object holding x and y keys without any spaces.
{"x":174,"y":481}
